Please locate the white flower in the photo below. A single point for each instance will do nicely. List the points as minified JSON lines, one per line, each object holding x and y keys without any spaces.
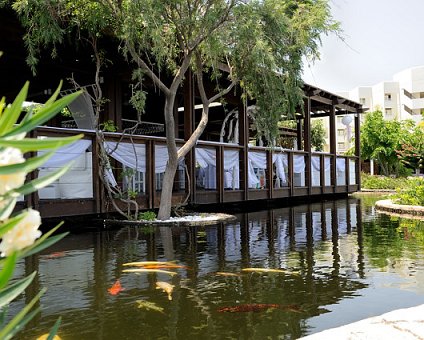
{"x":23,"y":234}
{"x":9,"y":156}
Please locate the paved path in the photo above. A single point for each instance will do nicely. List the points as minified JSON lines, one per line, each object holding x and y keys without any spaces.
{"x":399,"y":324}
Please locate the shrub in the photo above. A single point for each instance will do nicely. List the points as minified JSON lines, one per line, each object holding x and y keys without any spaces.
{"x":383,"y":182}
{"x":147,"y":216}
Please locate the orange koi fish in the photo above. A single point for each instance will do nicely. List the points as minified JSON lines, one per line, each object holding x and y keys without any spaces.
{"x":46,"y":336}
{"x":116,"y":288}
{"x":164,"y":266}
{"x":258,"y":307}
{"x":269,"y":270}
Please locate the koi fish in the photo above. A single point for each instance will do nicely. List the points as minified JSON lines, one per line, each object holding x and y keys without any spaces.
{"x":258,"y":307}
{"x":226,"y":274}
{"x":116,"y":288}
{"x":148,"y":263}
{"x":56,"y":255}
{"x":165,"y":266}
{"x":143,"y":304}
{"x":46,"y":336}
{"x":166,"y":287}
{"x":269,"y":270}
{"x":146,"y":270}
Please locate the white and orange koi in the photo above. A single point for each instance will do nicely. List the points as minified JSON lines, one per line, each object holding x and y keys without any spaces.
{"x":166,"y":287}
{"x":146,"y":270}
{"x":269,"y":270}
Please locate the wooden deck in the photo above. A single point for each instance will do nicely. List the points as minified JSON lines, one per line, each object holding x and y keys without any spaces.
{"x":331,"y":174}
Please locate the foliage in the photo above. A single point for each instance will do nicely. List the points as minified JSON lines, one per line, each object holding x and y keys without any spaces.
{"x":258,"y":45}
{"x":318,"y":134}
{"x":413,"y":194}
{"x":19,"y":231}
{"x":108,"y":126}
{"x":380,"y":139}
{"x":411,"y":150}
{"x":384,"y":182}
{"x":147,"y":216}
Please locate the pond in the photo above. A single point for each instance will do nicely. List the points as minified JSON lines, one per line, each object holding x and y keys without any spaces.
{"x":340,"y":262}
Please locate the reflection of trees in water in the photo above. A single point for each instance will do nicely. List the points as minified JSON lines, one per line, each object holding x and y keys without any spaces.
{"x":306,"y":239}
{"x":389,"y":241}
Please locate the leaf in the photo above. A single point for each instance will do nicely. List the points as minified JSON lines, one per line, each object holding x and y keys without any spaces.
{"x":43,"y":115}
{"x":12,"y":291}
{"x":54,"y":95}
{"x":7,"y":209}
{"x":11,"y":114}
{"x":29,"y":144}
{"x":8,"y":269}
{"x":8,"y":329}
{"x":28,"y":317}
{"x":38,"y":183}
{"x":27,"y":166}
{"x":54,"y":329}
{"x":11,"y":222}
{"x":41,"y":245}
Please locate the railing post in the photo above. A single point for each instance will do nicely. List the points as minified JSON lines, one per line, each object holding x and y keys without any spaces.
{"x":150,"y":173}
{"x":220,"y":172}
{"x":347,"y":172}
{"x":270,"y":174}
{"x":291,"y":173}
{"x":322,"y":172}
{"x":96,"y":174}
{"x":307,"y":143}
{"x":333,"y":142}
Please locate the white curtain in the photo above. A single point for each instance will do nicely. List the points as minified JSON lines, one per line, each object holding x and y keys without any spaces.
{"x":206,"y":175}
{"x":231,"y":169}
{"x":257,"y":160}
{"x":281,"y":163}
{"x":129,"y":154}
{"x":316,"y":166}
{"x":66,"y":154}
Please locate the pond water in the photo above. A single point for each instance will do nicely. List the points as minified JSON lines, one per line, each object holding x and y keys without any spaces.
{"x":342,"y":262}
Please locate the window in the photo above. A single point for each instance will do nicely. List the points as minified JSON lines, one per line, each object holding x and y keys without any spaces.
{"x":388,"y":96}
{"x":362,"y":101}
{"x":341,"y":146}
{"x":340,"y":132}
{"x":388,"y":111}
{"x":133,"y":180}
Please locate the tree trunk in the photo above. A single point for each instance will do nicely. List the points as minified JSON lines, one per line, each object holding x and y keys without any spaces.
{"x":166,"y":194}
{"x":171,"y":167}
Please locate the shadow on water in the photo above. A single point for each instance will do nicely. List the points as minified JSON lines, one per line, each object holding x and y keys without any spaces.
{"x":329,"y":252}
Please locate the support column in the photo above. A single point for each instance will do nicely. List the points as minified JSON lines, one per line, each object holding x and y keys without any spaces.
{"x":299,"y":133}
{"x":189,"y":123}
{"x":358,"y":148}
{"x":333,"y":144}
{"x":307,"y":142}
{"x":244,"y":141}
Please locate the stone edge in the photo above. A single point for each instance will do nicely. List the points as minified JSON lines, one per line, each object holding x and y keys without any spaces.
{"x":408,"y":211}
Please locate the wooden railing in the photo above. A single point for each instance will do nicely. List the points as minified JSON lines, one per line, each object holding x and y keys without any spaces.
{"x":228,"y":175}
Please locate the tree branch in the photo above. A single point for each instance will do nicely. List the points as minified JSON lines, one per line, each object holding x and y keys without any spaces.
{"x":149,"y":72}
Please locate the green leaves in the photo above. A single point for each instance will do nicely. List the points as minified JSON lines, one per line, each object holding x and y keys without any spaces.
{"x":13,"y":145}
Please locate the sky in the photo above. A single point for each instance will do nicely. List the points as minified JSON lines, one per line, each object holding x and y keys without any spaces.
{"x":381,"y":38}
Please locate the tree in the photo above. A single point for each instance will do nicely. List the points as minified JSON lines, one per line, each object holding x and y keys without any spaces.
{"x":411,"y":148}
{"x":381,"y":138}
{"x":258,"y":45}
{"x":318,"y":134}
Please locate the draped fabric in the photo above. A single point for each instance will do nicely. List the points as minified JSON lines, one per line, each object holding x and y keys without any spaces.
{"x":280,"y":161}
{"x":129,"y":154}
{"x":341,"y":171}
{"x":231,"y":169}
{"x":66,"y":153}
{"x":257,"y":160}
{"x":316,"y":173}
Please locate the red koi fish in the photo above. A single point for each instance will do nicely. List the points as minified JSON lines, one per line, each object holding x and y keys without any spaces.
{"x":258,"y":307}
{"x":56,"y":255}
{"x":116,"y":288}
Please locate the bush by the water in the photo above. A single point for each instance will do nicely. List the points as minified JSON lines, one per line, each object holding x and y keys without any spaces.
{"x":411,"y":195}
{"x":384,"y":182}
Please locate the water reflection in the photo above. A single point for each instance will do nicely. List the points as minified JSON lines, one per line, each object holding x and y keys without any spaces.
{"x":334,"y":252}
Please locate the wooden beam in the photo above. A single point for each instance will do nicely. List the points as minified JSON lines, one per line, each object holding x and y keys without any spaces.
{"x":244,"y":141}
{"x":358,"y":149}
{"x":333,"y":143}
{"x":307,"y":142}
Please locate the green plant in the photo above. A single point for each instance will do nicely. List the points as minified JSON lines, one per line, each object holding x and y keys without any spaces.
{"x":384,"y":182}
{"x":147,"y":216}
{"x":411,"y":195}
{"x":19,"y":231}
{"x":108,"y":126}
